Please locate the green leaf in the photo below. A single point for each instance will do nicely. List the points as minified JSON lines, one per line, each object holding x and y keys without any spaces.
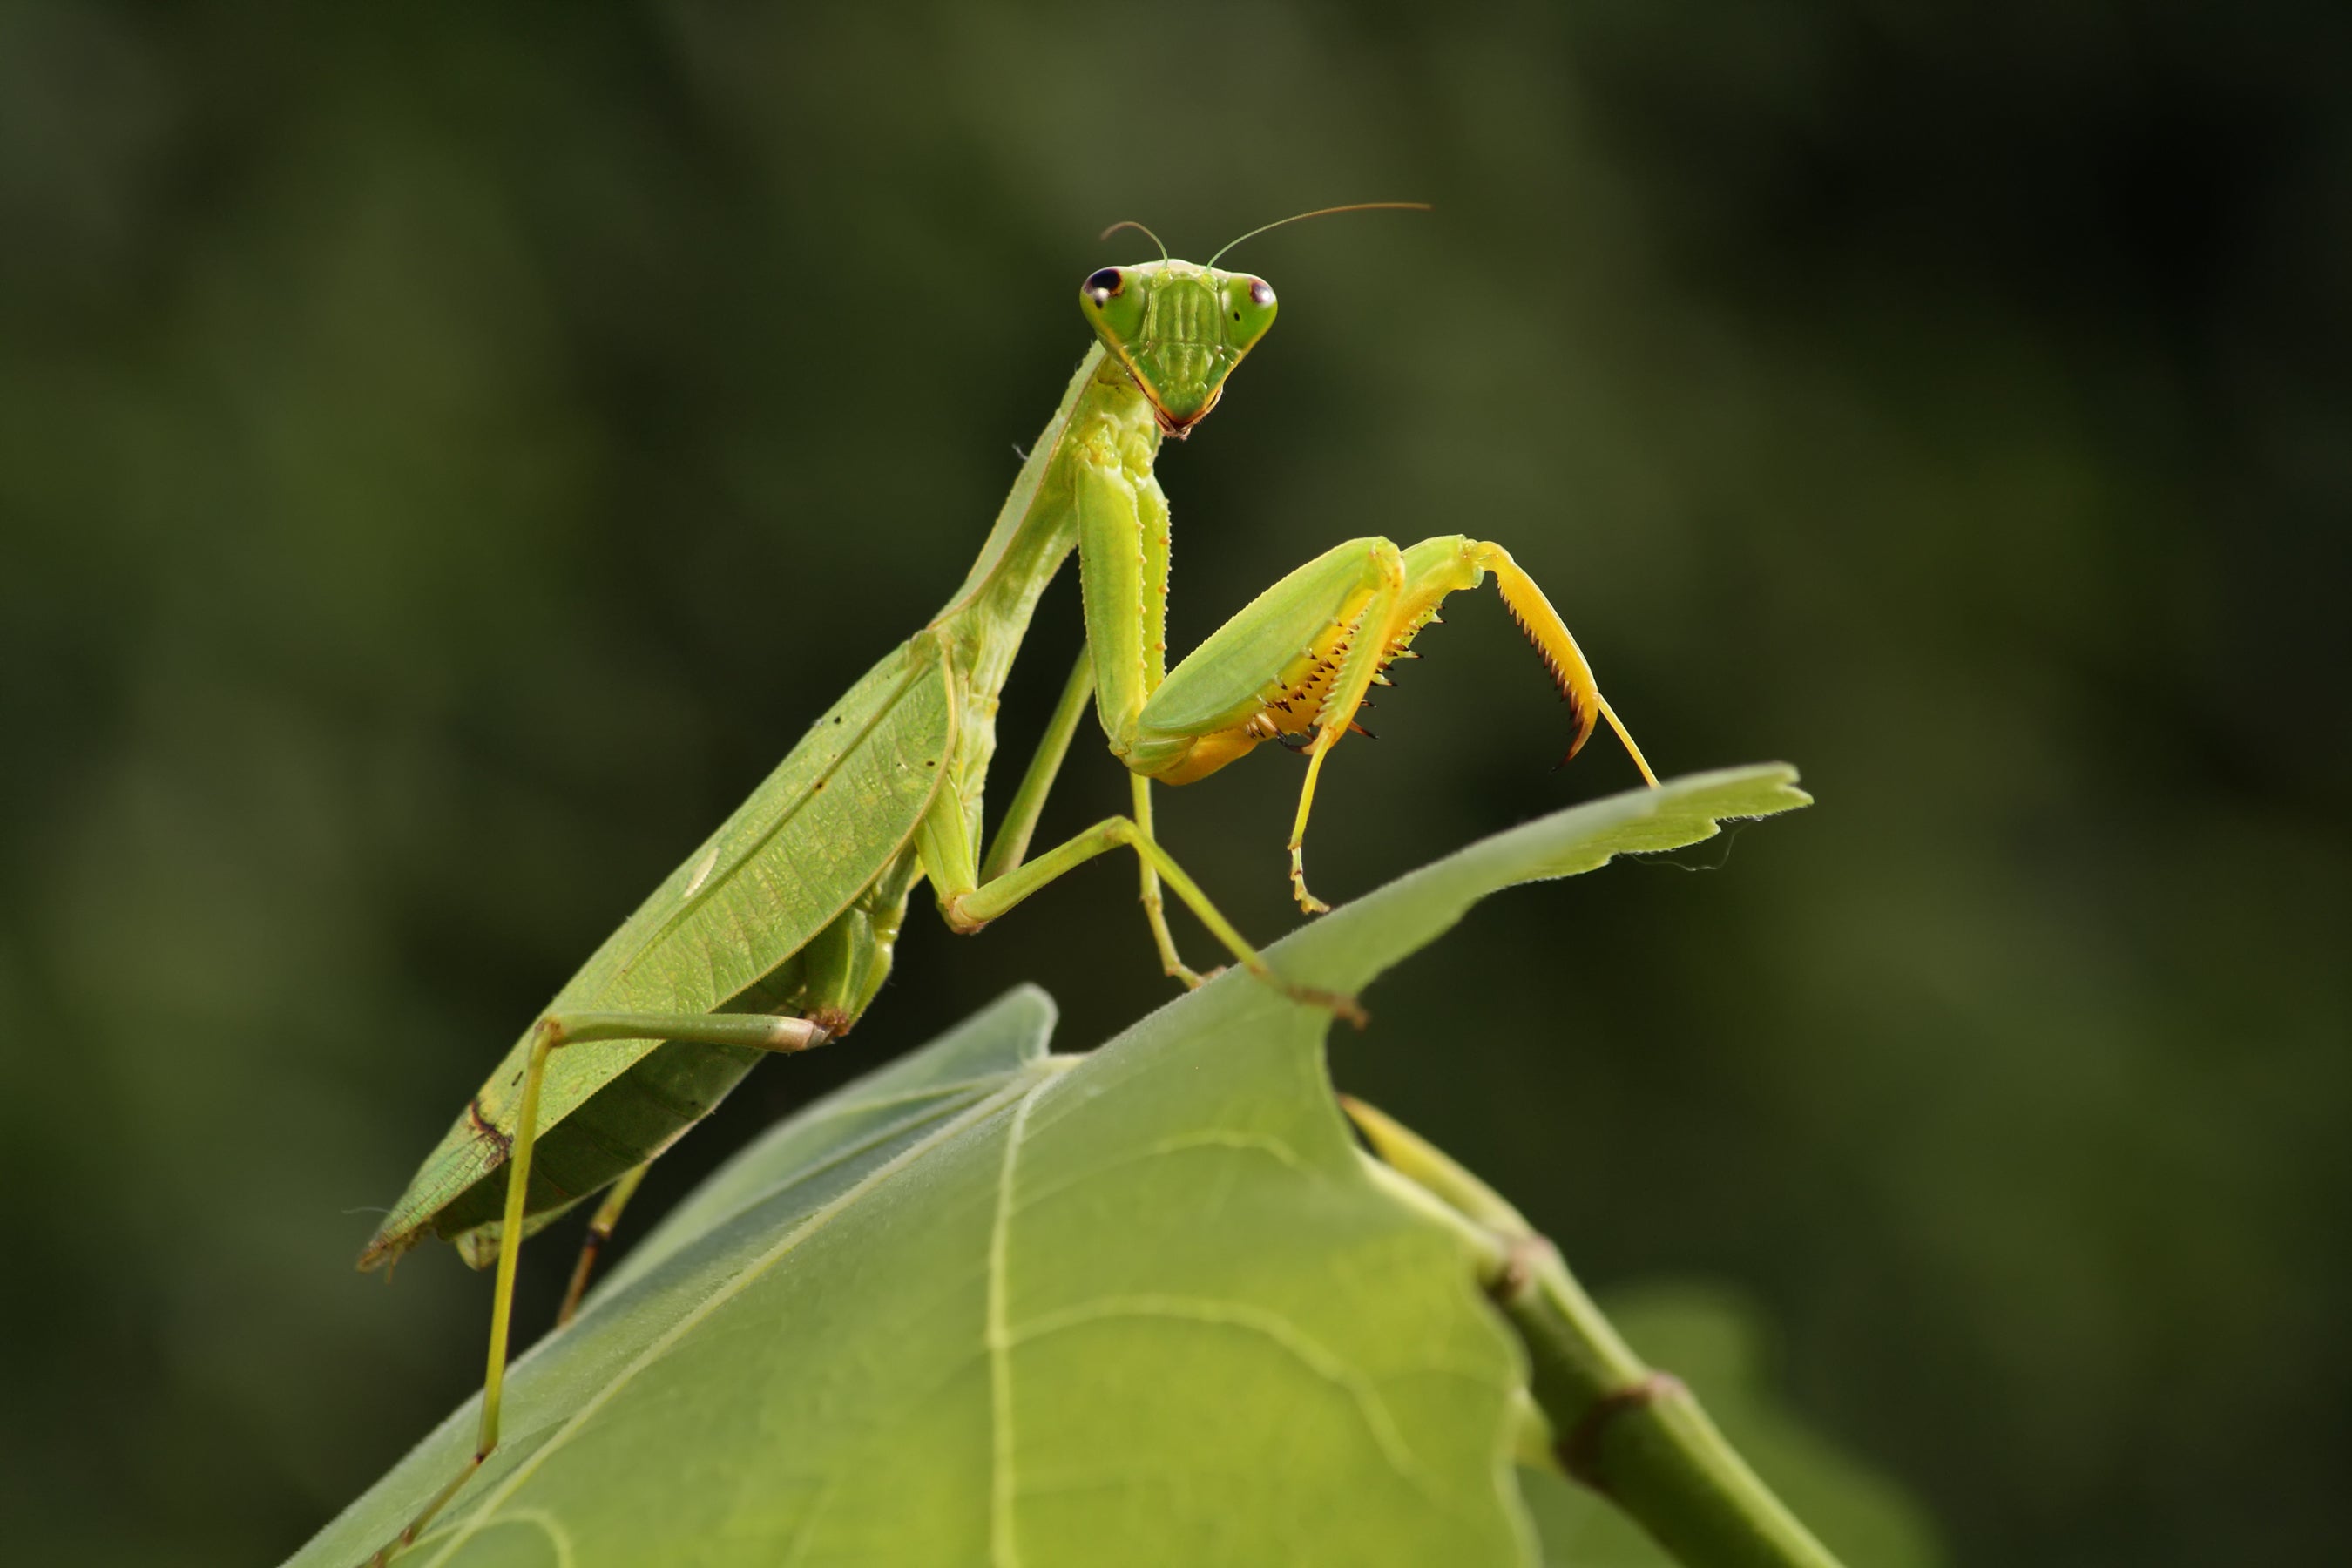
{"x":994,"y":1305}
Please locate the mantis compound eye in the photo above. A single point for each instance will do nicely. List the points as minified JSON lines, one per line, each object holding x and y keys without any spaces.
{"x":1102,"y":285}
{"x":1249,"y":307}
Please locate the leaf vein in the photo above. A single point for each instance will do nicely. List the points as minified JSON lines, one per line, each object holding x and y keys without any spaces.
{"x":1303,"y":1347}
{"x":1215,"y":1138}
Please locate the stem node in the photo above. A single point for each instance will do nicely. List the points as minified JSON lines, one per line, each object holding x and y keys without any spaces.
{"x":1580,"y":1451}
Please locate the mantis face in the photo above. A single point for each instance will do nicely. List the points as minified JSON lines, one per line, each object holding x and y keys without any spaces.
{"x":1179,"y":330}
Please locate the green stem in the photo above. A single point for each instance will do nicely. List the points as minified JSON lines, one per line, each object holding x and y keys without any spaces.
{"x":1635,"y":1436}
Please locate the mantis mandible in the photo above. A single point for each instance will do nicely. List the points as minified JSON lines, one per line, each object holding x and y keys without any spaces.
{"x":776,"y":933}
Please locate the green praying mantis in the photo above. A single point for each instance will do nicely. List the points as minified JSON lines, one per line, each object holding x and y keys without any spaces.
{"x":776,"y":933}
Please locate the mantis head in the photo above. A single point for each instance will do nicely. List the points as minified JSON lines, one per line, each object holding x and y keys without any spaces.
{"x":1179,"y":330}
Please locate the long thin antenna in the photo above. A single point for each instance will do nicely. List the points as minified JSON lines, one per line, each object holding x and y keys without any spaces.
{"x":1325,"y":212}
{"x":1130,"y":223}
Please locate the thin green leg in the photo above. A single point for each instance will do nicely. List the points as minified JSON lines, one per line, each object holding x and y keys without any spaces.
{"x":1021,"y":814}
{"x":759,"y":1031}
{"x":1011,"y":849}
{"x":947,"y":861}
{"x":600,"y":1231}
{"x":1155,"y":909}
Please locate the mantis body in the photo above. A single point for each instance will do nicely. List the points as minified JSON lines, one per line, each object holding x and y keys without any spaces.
{"x":776,"y":933}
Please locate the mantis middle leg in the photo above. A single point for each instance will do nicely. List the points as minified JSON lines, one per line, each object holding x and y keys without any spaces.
{"x":1011,"y":846}
{"x":968,"y":903}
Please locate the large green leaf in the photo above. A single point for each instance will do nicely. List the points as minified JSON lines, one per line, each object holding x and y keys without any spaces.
{"x":989,"y":1304}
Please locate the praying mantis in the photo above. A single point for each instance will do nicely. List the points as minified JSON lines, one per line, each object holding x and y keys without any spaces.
{"x":776,"y":933}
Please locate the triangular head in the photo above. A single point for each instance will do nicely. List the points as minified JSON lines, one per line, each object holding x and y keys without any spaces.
{"x":1179,"y":328}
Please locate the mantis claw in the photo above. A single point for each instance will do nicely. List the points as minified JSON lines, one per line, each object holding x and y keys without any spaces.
{"x":1338,"y":1005}
{"x":1307,"y":900}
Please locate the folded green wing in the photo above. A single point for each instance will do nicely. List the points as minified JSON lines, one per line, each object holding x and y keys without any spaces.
{"x":811,"y":838}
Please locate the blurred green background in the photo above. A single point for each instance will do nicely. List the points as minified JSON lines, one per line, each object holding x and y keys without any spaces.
{"x":447,"y":454}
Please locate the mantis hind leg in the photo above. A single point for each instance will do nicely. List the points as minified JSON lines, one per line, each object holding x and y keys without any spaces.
{"x":759,"y":1031}
{"x":600,"y":1230}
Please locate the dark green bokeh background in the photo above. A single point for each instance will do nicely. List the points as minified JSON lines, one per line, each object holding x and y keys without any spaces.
{"x":446,"y":457}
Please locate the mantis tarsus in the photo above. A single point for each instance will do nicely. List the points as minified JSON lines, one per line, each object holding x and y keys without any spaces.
{"x":776,"y":933}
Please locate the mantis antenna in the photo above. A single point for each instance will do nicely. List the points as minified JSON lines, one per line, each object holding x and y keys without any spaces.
{"x":1130,"y":223}
{"x":1324,"y":212}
